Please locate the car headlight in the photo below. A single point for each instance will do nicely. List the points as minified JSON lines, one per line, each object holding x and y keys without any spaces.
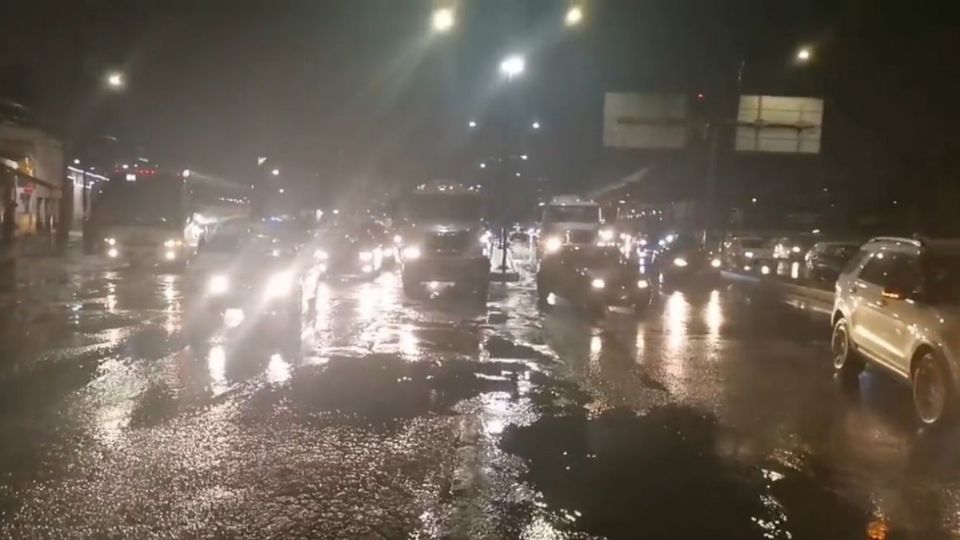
{"x":113,"y":253}
{"x":218,"y":284}
{"x":606,"y":235}
{"x":397,"y":239}
{"x":321,"y":255}
{"x":172,"y":243}
{"x":715,"y":263}
{"x":598,"y":283}
{"x":170,"y":255}
{"x":680,"y":261}
{"x":110,"y":241}
{"x":366,"y":256}
{"x":796,"y":249}
{"x":554,"y":243}
{"x":748,"y":254}
{"x":643,"y":284}
{"x":411,"y":252}
{"x":280,"y":284}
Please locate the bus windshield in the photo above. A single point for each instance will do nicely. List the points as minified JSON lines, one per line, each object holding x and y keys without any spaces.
{"x":572,"y":214}
{"x":153,"y":202}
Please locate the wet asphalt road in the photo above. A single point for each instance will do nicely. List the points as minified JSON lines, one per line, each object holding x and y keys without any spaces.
{"x":716,"y":416}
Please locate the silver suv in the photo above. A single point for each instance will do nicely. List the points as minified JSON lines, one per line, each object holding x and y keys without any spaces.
{"x":897,"y":305}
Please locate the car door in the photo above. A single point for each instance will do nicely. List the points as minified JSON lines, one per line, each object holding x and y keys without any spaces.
{"x":882,"y":321}
{"x":865,"y":294}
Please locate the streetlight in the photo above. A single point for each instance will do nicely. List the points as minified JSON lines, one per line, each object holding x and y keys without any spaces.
{"x":535,"y":125}
{"x":443,"y":19}
{"x":512,"y":66}
{"x":186,"y":173}
{"x":804,"y":54}
{"x":483,"y":165}
{"x":275,"y":172}
{"x":524,"y":157}
{"x":574,"y":15}
{"x":472,"y":124}
{"x":115,"y":80}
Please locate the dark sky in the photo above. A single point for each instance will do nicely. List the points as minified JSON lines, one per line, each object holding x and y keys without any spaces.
{"x":361,"y":89}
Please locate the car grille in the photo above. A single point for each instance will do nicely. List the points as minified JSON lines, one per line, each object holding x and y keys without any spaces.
{"x":580,"y":237}
{"x":453,"y":242}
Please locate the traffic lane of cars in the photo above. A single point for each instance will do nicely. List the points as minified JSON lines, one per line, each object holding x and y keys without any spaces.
{"x":743,"y":379}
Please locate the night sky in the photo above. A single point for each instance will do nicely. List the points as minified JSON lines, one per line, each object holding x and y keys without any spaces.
{"x":362,"y":89}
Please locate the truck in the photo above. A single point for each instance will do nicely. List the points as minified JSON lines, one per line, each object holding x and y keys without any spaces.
{"x":147,"y":216}
{"x":442,"y":238}
{"x":568,"y":219}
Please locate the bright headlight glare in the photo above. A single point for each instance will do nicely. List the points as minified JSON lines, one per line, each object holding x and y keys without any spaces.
{"x":320,"y":255}
{"x":113,"y":253}
{"x":110,"y":241}
{"x":796,"y":249}
{"x":715,"y":263}
{"x":643,"y":284}
{"x":552,"y":244}
{"x":748,"y":254}
{"x":606,"y":235}
{"x":171,"y":243}
{"x":218,"y":284}
{"x":366,"y":256}
{"x":411,"y":252}
{"x":280,"y":284}
{"x":680,"y":261}
{"x":598,"y":283}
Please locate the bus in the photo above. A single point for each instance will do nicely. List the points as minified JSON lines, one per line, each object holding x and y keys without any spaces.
{"x":149,"y":216}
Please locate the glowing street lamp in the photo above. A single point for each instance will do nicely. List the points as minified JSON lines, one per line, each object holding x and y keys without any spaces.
{"x":472,"y":124}
{"x":535,"y":125}
{"x":115,"y":80}
{"x":275,"y":172}
{"x":574,"y":15}
{"x":513,"y":66}
{"x":804,"y":55}
{"x":443,"y":19}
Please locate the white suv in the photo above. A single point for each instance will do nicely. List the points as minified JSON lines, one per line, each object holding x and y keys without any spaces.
{"x":898,"y":305}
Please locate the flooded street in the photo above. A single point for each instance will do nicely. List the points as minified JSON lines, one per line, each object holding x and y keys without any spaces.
{"x":715,"y":415}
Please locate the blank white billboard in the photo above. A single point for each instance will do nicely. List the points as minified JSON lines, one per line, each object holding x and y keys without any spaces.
{"x":779,"y":124}
{"x":653,"y":121}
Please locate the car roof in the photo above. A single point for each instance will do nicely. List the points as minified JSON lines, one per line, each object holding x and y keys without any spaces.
{"x":832,"y":243}
{"x":947,"y":246}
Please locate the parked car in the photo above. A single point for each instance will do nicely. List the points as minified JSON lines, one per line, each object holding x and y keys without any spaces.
{"x":594,"y":278}
{"x":741,"y":252}
{"x":898,"y":306}
{"x":825,"y":260}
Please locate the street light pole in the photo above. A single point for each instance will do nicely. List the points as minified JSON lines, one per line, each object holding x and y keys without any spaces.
{"x":511,"y":67}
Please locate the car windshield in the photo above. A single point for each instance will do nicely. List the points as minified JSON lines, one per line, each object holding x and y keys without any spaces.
{"x":600,"y":257}
{"x":572,"y":214}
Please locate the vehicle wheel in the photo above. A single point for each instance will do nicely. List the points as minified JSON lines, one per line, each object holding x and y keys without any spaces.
{"x":934,"y":397}
{"x":846,"y":361}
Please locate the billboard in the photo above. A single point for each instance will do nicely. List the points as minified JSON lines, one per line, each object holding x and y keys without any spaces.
{"x":779,"y":124}
{"x":652,"y":121}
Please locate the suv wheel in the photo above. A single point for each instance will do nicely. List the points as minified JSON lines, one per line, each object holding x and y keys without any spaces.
{"x":933,"y":393}
{"x":845,"y":359}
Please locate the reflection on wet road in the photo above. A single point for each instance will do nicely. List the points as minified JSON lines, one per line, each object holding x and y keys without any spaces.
{"x":715,"y":415}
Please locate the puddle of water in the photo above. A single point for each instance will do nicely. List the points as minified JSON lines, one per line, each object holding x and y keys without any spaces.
{"x":667,"y":475}
{"x":499,"y":347}
{"x":382,"y":387}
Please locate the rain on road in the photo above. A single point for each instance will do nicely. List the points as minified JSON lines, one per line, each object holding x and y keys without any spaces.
{"x":715,"y":416}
